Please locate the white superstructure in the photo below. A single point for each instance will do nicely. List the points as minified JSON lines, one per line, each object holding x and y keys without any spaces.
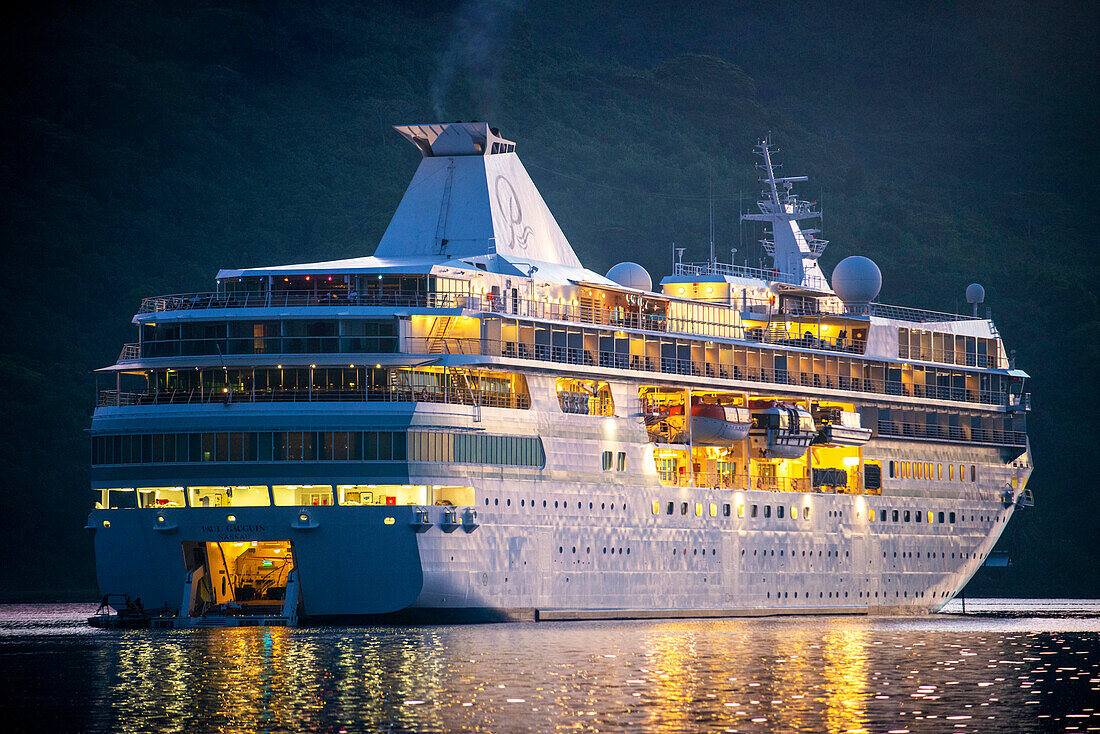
{"x":470,"y":424}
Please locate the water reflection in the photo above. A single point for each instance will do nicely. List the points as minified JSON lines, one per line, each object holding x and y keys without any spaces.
{"x":807,"y":675}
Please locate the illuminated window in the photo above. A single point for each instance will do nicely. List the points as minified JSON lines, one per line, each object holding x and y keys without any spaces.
{"x":741,"y":511}
{"x":951,"y":472}
{"x":656,"y":507}
{"x":930,"y":516}
{"x":871,"y":515}
{"x":698,"y":509}
{"x":794,"y":513}
{"x":714,"y":509}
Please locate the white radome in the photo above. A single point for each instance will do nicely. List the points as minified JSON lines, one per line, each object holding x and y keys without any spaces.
{"x":857,"y":279}
{"x":631,"y":275}
{"x":975,"y":293}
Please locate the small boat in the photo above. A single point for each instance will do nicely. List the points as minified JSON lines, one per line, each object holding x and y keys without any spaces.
{"x":718,"y":425}
{"x":838,"y":427}
{"x":781,"y":430}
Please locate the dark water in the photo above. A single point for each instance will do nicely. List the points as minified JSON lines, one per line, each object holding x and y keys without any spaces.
{"x":1022,"y":666}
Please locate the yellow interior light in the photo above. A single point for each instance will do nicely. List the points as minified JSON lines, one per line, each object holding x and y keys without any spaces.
{"x":231,"y":518}
{"x":389,"y":521}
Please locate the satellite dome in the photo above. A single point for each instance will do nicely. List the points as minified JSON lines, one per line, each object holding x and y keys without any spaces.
{"x":975,"y":293}
{"x":857,"y":279}
{"x":631,"y":275}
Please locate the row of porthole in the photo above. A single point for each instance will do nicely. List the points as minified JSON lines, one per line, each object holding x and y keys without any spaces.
{"x":588,"y":550}
{"x":827,"y":553}
{"x":563,"y":505}
{"x":822,"y":594}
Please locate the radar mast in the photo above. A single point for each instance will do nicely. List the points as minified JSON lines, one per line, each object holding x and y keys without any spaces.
{"x":794,"y":251}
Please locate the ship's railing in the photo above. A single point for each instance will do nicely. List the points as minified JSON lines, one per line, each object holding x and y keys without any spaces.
{"x":453,"y":396}
{"x":772,"y":275}
{"x":952,"y":433}
{"x":901,"y":313}
{"x":695,"y":368}
{"x":129,"y":351}
{"x":282,"y":299}
{"x":949,"y":356}
{"x":743,"y":482}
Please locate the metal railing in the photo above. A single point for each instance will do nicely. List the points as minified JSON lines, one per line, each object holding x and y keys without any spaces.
{"x":772,"y":275}
{"x":744,"y":482}
{"x":129,"y":351}
{"x":698,"y":368}
{"x":453,"y":396}
{"x":952,"y":433}
{"x":949,"y":356}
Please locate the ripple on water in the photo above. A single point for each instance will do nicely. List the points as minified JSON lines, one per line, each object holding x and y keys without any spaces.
{"x":999,"y":671}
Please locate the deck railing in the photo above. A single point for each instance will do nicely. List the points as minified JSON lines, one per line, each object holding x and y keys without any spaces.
{"x":952,"y":433}
{"x":697,"y":368}
{"x":453,"y":396}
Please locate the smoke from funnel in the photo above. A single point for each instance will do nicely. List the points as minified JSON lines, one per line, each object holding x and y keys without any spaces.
{"x":472,"y":57}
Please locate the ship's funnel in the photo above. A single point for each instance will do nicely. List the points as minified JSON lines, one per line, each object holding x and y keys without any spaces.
{"x":471,"y":196}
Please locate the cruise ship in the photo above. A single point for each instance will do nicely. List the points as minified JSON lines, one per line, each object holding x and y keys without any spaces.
{"x":471,"y":425}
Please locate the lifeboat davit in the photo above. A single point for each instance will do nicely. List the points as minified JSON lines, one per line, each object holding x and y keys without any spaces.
{"x":718,"y":425}
{"x":781,"y":430}
{"x":838,"y":427}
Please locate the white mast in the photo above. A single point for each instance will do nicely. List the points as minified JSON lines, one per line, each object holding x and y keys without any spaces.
{"x":794,"y":251}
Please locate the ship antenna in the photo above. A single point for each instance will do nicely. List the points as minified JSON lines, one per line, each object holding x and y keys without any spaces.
{"x":711,"y":198}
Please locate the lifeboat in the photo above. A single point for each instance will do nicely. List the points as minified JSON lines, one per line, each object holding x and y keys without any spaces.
{"x":718,"y":425}
{"x":838,"y":427}
{"x":781,"y":430}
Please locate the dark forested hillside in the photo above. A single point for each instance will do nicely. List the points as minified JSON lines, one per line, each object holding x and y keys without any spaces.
{"x":147,"y":144}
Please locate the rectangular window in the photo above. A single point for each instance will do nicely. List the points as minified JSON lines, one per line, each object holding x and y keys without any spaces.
{"x":726,"y":510}
{"x":753,"y":512}
{"x":620,"y":461}
{"x":767,"y":510}
{"x":917,"y":516}
{"x":806,"y":512}
{"x":683,"y":508}
{"x":656,"y":507}
{"x":607,"y":461}
{"x":930,"y":517}
{"x":740,"y":510}
{"x":698,"y":509}
{"x":207,"y":446}
{"x":236,"y":447}
{"x":779,"y":512}
{"x":668,"y":510}
{"x":871,"y":515}
{"x":263,"y":446}
{"x":894,"y":516}
{"x":951,"y":517}
{"x":221,"y":444}
{"x":940,"y":517}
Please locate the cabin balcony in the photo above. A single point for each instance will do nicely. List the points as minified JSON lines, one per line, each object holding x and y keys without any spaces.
{"x":966,"y":434}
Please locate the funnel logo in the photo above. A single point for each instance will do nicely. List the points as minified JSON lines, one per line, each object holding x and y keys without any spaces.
{"x":508,"y":205}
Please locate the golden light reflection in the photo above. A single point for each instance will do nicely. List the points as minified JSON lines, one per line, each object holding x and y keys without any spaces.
{"x":845,"y":656}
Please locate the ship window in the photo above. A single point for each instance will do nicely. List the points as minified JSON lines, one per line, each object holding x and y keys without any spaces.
{"x":753,"y":512}
{"x":939,"y":472}
{"x":161,"y":497}
{"x":951,"y":517}
{"x":940,"y":517}
{"x":767,"y":510}
{"x":607,"y":461}
{"x":894,"y":516}
{"x":917,"y":516}
{"x":698,"y":509}
{"x":871,"y":515}
{"x":892,"y":470}
{"x":951,"y":472}
{"x":740,"y":510}
{"x":656,"y":507}
{"x":907,"y":516}
{"x":806,"y":512}
{"x":292,"y":495}
{"x":620,"y":461}
{"x":683,"y":508}
{"x":726,"y":510}
{"x":668,"y":510}
{"x":713,"y":509}
{"x":779,"y":511}
{"x":973,"y":473}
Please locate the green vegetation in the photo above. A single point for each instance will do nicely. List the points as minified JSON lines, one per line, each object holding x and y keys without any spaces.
{"x":146,"y":145}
